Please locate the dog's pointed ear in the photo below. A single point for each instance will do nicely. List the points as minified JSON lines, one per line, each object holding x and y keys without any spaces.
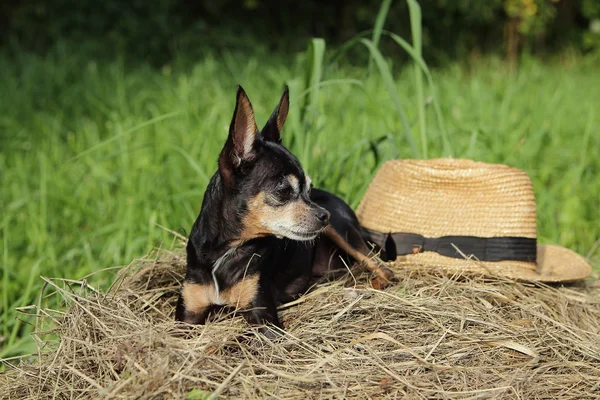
{"x":240,"y":144}
{"x":273,"y":127}
{"x":243,"y":130}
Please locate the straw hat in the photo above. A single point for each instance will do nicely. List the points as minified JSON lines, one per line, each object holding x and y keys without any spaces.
{"x":459,"y":214}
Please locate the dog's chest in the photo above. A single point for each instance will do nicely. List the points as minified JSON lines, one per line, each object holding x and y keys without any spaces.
{"x":217,"y":298}
{"x":235,"y":276}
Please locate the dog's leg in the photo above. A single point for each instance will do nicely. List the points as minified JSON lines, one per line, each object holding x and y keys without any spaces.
{"x":262,"y":310}
{"x":383,"y":275}
{"x":194,"y":303}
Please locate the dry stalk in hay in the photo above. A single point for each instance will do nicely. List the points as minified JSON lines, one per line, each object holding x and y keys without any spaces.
{"x":427,"y":336}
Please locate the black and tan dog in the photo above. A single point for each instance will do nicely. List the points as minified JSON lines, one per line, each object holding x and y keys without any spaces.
{"x":263,"y":232}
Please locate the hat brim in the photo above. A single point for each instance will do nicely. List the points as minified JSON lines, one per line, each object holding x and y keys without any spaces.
{"x":554,"y":264}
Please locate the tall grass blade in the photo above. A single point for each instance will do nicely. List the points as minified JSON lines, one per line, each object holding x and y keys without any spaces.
{"x":472,"y":142}
{"x":584,"y":146}
{"x":378,"y":28}
{"x":26,"y":295}
{"x":344,"y":48}
{"x":316,"y":57}
{"x":388,"y":79}
{"x":414,"y":11}
{"x":192,"y":163}
{"x":438,"y":111}
{"x":294,"y":131}
{"x":5,"y":278}
{"x":127,"y":132}
{"x":416,"y":29}
{"x":331,"y":82}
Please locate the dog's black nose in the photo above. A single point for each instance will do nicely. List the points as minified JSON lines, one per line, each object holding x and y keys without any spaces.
{"x":322,"y":215}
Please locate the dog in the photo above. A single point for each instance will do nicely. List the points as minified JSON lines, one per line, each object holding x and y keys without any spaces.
{"x":263,"y":233}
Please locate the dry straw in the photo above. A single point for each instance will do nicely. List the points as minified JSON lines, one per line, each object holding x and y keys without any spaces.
{"x":429,"y":335}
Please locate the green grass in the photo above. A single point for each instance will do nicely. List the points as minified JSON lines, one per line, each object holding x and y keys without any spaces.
{"x":94,"y":156}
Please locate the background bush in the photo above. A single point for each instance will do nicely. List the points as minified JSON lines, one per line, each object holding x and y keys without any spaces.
{"x":157,"y":29}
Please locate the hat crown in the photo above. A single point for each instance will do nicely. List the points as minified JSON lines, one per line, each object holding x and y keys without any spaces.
{"x":450,"y":197}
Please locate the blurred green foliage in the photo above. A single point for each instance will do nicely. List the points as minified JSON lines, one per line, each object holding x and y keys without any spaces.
{"x":590,"y":9}
{"x":96,"y":156}
{"x":156,"y":29}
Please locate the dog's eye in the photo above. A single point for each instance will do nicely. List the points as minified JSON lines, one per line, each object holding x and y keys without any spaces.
{"x":283,"y":191}
{"x":308,"y":189}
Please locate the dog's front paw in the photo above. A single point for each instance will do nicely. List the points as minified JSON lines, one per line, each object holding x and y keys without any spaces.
{"x":270,"y":332}
{"x":383,"y":279}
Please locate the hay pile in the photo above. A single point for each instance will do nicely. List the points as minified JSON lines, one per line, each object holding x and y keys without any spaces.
{"x":428,"y":336}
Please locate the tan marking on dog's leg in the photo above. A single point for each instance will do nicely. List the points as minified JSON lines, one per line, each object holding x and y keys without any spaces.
{"x":196,"y":299}
{"x":383,"y":274}
{"x":340,"y":242}
{"x":242,"y":293}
